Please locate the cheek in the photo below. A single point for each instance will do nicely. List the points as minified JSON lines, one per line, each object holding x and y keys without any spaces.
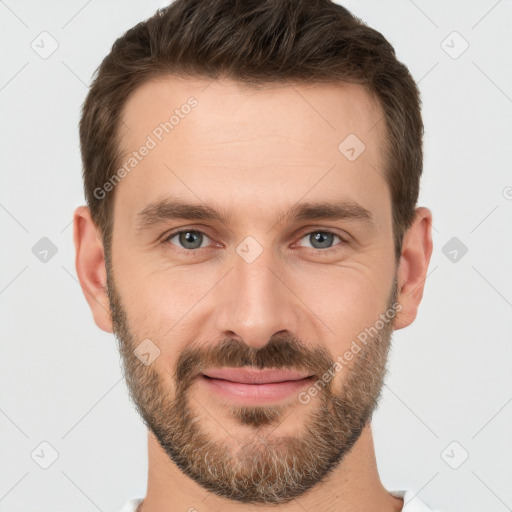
{"x":155,"y":294}
{"x":346,"y":298}
{"x":164,"y":306}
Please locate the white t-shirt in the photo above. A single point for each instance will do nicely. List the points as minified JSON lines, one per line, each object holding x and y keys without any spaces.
{"x":411,"y":503}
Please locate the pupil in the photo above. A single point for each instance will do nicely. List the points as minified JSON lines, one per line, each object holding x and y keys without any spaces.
{"x":188,"y":238}
{"x":321,"y":238}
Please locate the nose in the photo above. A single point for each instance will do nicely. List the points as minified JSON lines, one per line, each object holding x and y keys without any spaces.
{"x":255,"y":302}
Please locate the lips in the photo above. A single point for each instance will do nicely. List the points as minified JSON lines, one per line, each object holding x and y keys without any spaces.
{"x":255,"y":376}
{"x":247,"y":386}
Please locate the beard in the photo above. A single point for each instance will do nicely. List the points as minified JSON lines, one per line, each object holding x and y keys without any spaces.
{"x":258,"y":467}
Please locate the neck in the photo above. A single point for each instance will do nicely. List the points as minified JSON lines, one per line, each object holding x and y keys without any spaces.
{"x":354,"y":485}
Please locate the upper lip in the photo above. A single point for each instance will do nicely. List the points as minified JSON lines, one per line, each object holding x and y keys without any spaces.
{"x":255,"y":376}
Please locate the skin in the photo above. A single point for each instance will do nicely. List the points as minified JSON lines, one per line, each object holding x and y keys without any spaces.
{"x":254,"y":153}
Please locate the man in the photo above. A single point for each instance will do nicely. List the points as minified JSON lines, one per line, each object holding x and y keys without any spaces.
{"x":252,"y":238}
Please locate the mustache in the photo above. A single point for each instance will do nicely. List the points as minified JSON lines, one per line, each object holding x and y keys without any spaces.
{"x":283,"y":351}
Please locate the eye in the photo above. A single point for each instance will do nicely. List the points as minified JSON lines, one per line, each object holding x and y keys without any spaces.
{"x":189,"y":239}
{"x":322,"y":239}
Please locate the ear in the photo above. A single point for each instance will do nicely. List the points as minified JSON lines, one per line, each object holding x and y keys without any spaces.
{"x":90,"y":266}
{"x":413,"y":265}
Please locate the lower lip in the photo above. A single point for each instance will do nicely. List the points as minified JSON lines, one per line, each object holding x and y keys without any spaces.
{"x":256,"y":393}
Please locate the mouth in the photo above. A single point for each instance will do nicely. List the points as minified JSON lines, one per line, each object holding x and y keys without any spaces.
{"x":249,"y":385}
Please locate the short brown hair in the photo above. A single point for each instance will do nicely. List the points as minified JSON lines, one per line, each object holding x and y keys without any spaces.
{"x":254,"y":42}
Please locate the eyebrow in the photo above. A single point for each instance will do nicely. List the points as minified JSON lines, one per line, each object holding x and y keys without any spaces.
{"x":177,"y":209}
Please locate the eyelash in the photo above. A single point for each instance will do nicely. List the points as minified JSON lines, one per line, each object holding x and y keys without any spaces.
{"x":201,"y":250}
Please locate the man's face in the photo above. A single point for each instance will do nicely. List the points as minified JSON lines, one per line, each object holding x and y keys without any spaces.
{"x":256,"y":288}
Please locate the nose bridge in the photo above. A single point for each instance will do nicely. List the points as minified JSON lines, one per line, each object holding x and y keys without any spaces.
{"x":254,"y":302}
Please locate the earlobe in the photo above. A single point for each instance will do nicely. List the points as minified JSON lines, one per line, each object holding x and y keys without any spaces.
{"x":90,"y":266}
{"x":413,"y":266}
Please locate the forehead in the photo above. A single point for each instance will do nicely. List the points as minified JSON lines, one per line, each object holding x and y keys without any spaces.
{"x":333,"y":106}
{"x":210,"y":137}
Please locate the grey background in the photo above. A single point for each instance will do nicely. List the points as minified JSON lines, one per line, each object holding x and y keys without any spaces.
{"x":450,"y":378}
